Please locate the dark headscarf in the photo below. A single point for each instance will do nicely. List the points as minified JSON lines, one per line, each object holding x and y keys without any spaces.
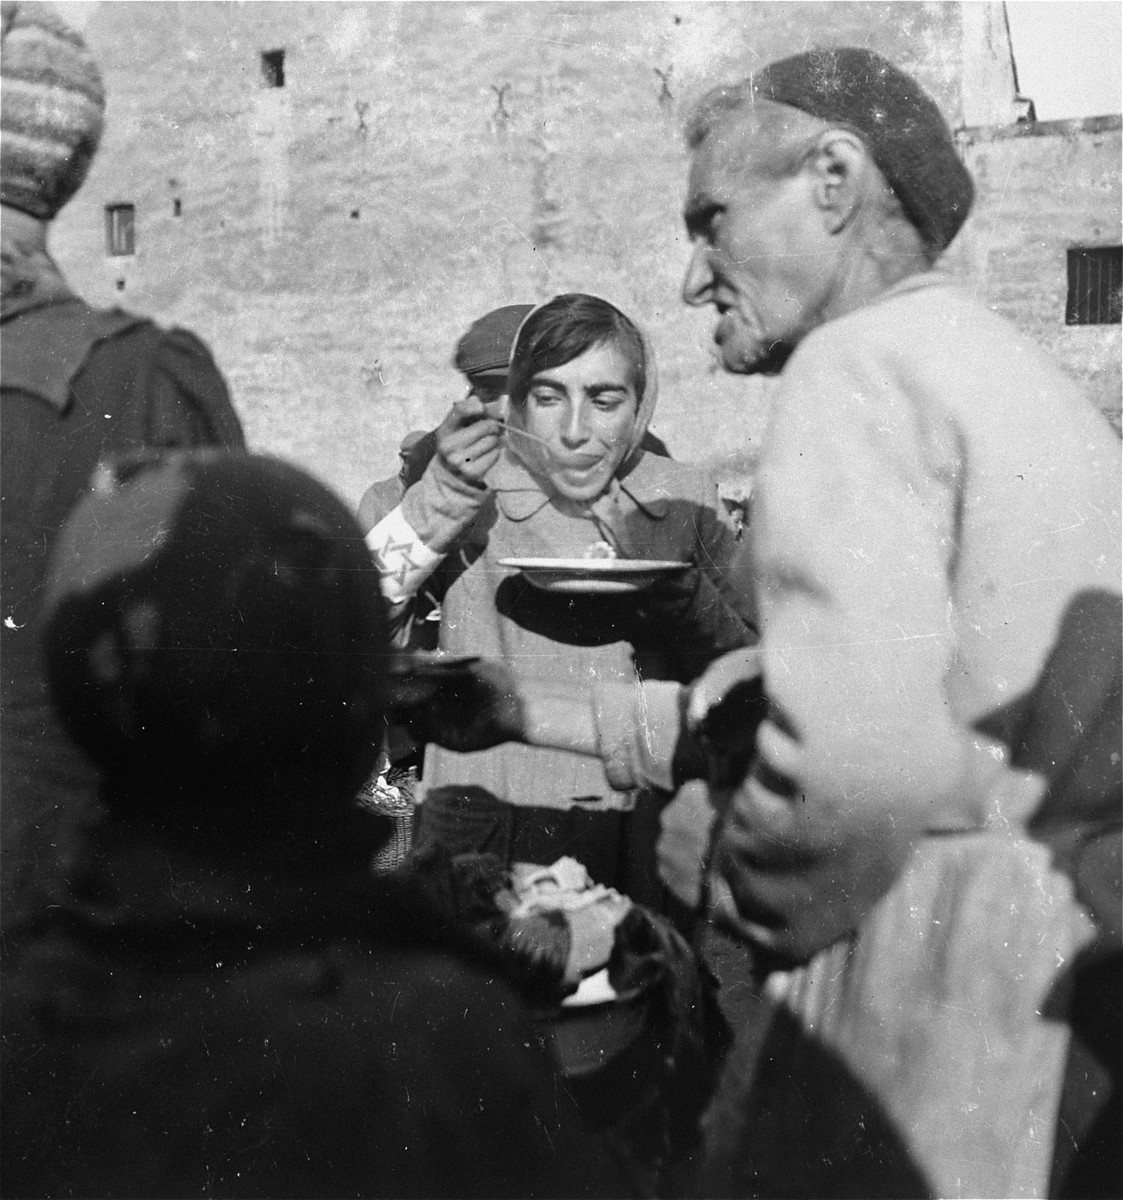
{"x":214,"y":627}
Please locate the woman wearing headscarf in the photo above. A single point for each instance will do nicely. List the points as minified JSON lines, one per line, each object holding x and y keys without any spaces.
{"x":569,"y":478}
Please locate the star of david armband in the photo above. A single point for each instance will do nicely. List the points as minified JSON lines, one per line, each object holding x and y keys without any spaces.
{"x":404,"y":561}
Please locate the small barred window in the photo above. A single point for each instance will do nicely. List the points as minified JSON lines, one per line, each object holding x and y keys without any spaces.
{"x":1095,"y":286}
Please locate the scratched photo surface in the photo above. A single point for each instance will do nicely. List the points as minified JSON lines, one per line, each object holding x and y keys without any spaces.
{"x":329,"y":193}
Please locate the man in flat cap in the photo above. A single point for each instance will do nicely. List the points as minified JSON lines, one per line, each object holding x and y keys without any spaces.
{"x":481,"y":357}
{"x":919,"y":837}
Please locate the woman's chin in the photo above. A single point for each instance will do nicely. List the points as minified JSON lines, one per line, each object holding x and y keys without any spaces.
{"x":579,"y":491}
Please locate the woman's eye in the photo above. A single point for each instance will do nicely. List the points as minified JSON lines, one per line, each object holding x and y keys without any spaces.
{"x":546,"y":401}
{"x":608,"y":403}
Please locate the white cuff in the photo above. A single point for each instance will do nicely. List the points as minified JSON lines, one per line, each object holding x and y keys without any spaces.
{"x":404,"y":561}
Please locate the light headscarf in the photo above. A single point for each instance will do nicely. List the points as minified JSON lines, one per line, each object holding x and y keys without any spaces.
{"x":533,"y":455}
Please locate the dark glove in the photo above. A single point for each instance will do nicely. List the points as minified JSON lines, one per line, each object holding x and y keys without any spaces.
{"x":724,"y":709}
{"x":464,"y":706}
{"x":687,"y":617}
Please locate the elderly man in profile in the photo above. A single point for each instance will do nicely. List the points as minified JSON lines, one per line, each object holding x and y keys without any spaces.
{"x":936,"y":531}
{"x":936,"y":508}
{"x":917,"y":772}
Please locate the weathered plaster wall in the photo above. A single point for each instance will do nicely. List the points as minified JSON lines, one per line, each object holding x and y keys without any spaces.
{"x":1047,"y":188}
{"x":426,"y":162}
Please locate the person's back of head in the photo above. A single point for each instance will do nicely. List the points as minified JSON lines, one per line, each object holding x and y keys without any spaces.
{"x":215,"y":639}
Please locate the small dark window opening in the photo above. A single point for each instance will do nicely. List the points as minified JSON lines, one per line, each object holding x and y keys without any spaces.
{"x":120,"y":285}
{"x":354,"y":214}
{"x":120,"y":230}
{"x":273,"y":68}
{"x":177,"y":207}
{"x":1095,"y":286}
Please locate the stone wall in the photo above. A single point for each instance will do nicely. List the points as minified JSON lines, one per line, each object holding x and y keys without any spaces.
{"x":422,"y":164}
{"x":1046,"y":188}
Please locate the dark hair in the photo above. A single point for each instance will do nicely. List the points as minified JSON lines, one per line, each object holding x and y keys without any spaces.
{"x":562,"y":330}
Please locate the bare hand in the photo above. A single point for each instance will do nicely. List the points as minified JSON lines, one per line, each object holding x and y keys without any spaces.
{"x":469,"y":441}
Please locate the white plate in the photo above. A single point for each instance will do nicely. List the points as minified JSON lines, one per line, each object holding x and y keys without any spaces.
{"x":593,"y":576}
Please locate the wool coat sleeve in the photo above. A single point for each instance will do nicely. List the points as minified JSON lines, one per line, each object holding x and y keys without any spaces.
{"x":861,"y":754}
{"x":410,"y":532}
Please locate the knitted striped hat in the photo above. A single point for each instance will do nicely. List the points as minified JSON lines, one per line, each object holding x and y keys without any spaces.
{"x":52,"y":106}
{"x":904,"y":129}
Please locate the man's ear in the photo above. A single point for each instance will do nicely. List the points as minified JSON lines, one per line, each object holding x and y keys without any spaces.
{"x":841,"y":165}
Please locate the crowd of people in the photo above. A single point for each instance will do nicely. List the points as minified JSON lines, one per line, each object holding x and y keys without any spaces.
{"x":873,"y":732}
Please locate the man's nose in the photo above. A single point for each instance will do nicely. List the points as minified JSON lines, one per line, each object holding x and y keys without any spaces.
{"x":699,"y":277}
{"x":576,"y":428}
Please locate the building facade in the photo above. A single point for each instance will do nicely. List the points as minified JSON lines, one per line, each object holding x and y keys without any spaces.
{"x":330,"y":192}
{"x":1044,"y":248}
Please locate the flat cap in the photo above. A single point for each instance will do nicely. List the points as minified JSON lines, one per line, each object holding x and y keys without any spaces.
{"x":486,"y":348}
{"x":901,"y":124}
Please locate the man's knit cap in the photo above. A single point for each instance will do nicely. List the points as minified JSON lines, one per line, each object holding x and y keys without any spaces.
{"x":900,"y":123}
{"x":486,"y":348}
{"x":52,"y":107}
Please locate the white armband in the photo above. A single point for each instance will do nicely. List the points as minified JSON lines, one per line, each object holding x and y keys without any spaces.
{"x":404,"y":561}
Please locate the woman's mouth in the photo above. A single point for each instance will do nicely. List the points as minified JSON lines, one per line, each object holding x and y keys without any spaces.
{"x":579,"y":466}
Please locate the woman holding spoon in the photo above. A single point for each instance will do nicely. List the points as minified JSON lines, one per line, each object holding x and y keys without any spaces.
{"x":566,"y":476}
